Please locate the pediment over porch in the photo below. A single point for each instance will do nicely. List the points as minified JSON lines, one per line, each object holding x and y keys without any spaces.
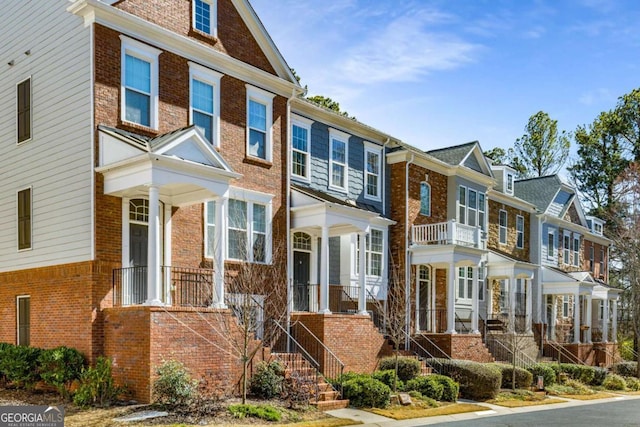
{"x":555,"y":282}
{"x":182,"y":164}
{"x":501,"y":266}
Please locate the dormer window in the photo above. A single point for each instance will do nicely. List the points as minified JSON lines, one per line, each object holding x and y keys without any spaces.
{"x":509,"y":186}
{"x":205,"y":17}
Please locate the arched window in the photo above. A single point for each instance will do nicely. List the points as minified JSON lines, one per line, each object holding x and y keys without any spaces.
{"x":139,"y":210}
{"x":302,"y":241}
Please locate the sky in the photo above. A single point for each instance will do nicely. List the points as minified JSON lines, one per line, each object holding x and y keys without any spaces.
{"x":437,"y":73}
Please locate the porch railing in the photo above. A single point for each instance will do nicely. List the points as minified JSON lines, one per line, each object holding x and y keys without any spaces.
{"x":179,"y":286}
{"x":558,"y":352}
{"x":447,"y":233}
{"x":305,"y":297}
{"x":433,"y":320}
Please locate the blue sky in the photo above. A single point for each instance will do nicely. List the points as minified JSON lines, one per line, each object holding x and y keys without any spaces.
{"x":442,"y":72}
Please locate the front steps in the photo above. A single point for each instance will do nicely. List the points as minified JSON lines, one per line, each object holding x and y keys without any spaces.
{"x":322,"y":394}
{"x":525,"y":344}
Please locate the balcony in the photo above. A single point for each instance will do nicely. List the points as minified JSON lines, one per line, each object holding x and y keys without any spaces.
{"x":447,"y":233}
{"x":180,"y":287}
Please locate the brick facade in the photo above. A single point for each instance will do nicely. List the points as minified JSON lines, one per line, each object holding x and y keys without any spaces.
{"x":493,"y":234}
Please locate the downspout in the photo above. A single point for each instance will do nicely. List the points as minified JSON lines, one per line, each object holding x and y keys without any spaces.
{"x":407,"y":255}
{"x":384,"y":174}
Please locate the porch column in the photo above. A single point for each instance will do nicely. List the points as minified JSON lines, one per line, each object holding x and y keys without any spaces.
{"x":614,"y":330}
{"x":554,"y":317}
{"x":362,"y":297}
{"x":153,"y":254}
{"x":528,"y":305}
{"x":511,"y":289}
{"x":605,"y":321}
{"x":324,"y":271}
{"x":219,"y":251}
{"x":576,"y":318}
{"x":432,"y":300}
{"x":474,"y":302}
{"x":587,"y":335}
{"x":451,"y":300}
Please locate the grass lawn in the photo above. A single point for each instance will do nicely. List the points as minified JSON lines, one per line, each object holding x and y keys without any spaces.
{"x":598,"y":395}
{"x":399,"y":412}
{"x":522,"y":398}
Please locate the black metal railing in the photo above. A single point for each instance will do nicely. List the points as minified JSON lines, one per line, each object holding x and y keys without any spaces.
{"x":305,"y":297}
{"x":433,"y":320}
{"x":330,"y":366}
{"x":179,"y":286}
{"x":429,"y":352}
{"x":557,"y":352}
{"x":507,"y":352}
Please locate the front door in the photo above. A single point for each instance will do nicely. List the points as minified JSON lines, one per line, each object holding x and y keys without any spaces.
{"x":301,"y":277}
{"x":137,"y":279}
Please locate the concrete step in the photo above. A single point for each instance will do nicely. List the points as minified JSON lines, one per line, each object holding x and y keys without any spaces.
{"x":330,"y":405}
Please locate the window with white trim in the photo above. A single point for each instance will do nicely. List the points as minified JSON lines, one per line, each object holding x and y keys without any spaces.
{"x":372,"y":168}
{"x":139,"y":80}
{"x":592,"y":264}
{"x":519,"y":231}
{"x":24,"y":110}
{"x":481,"y":210}
{"x":471,"y":207}
{"x":210,"y":229}
{"x":259,"y":123}
{"x":205,"y":17}
{"x":576,"y":250}
{"x":204,"y":106}
{"x":481,"y":283}
{"x":602,"y":262}
{"x":565,"y":305}
{"x":551,"y":244}
{"x":300,"y":148}
{"x":566,"y":248}
{"x":465,"y":282}
{"x":24,"y":219}
{"x":248,"y":230}
{"x":373,"y":255}
{"x":510,"y":183}
{"x":425,"y":199}
{"x":462,"y":205}
{"x":502,"y":222}
{"x":338,"y":159}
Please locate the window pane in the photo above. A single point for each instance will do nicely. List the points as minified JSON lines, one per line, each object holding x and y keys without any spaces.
{"x":425,"y":199}
{"x":472,"y":199}
{"x":461,"y":282}
{"x":24,"y":219}
{"x":372,"y":185}
{"x":375,"y":268}
{"x":376,"y":240}
{"x":338,"y":151}
{"x":299,"y":138}
{"x":259,"y":219}
{"x":237,"y":214}
{"x":202,"y":96}
{"x":299,"y":163}
{"x":24,"y":110}
{"x":259,"y":247}
{"x":203,"y":16}
{"x":257,"y":143}
{"x":338,"y":175}
{"x":481,"y":202}
{"x":257,"y":116}
{"x":204,"y":122}
{"x":372,"y":163}
{"x":238,"y":244}
{"x":137,"y":74}
{"x":137,"y":108}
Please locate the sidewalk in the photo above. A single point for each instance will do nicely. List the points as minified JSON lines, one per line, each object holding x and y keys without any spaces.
{"x":372,"y":420}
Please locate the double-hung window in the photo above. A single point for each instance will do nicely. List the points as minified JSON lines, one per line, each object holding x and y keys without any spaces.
{"x":509,"y":183}
{"x":205,"y":17}
{"x":601,"y":262}
{"x":139,"y":74}
{"x":338,"y":159}
{"x":462,"y":204}
{"x":24,"y":110}
{"x":205,"y":102}
{"x":566,"y":248}
{"x":24,"y":219}
{"x":259,"y":123}
{"x":210,"y":229}
{"x":551,"y":244}
{"x":372,"y":160}
{"x":373,"y":253}
{"x":502,"y":219}
{"x":471,"y":207}
{"x":465,"y":282}
{"x":591,"y":259}
{"x":249,"y":226}
{"x":565,"y":306}
{"x":425,"y":199}
{"x":300,"y":147}
{"x":576,"y":250}
{"x":519,"y":231}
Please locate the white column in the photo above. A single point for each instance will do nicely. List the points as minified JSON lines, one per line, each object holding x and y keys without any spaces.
{"x":588,"y":320}
{"x":614,"y":331}
{"x":528,"y":304}
{"x":314,"y":290}
{"x":511,"y":288}
{"x":153,"y":254}
{"x":576,"y":318}
{"x":219,"y":251}
{"x":451,"y":300}
{"x":432,"y":300}
{"x":474,"y":302}
{"x":605,"y":321}
{"x":554,"y":317}
{"x":362,"y":297}
{"x":324,"y":271}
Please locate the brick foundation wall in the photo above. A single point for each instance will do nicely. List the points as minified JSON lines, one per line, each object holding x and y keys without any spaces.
{"x":462,"y":346}
{"x":352,"y":338}
{"x":139,"y":339}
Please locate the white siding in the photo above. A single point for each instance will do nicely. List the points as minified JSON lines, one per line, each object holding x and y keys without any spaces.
{"x":57,"y":161}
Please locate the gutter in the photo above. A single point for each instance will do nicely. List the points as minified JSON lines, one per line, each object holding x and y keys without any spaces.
{"x":384,"y":176}
{"x":407,"y":255}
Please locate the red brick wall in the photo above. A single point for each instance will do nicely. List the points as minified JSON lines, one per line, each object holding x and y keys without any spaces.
{"x":139,"y":339}
{"x":352,"y":338}
{"x":462,"y":346}
{"x":586,"y":245}
{"x":234,"y":38}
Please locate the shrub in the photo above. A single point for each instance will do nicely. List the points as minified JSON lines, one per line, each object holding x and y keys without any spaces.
{"x":19,"y":365}
{"x":524,"y":378}
{"x":477,"y":381}
{"x":570,"y":387}
{"x":408,"y":368}
{"x":450,"y":388}
{"x":614,"y":382}
{"x":633,"y":383}
{"x":96,"y":385}
{"x":366,"y":392}
{"x":625,"y":369}
{"x":625,"y":348}
{"x":545,"y":371}
{"x":387,"y":377}
{"x":267,"y":382}
{"x":59,"y":366}
{"x":599,"y":375}
{"x":297,"y":390}
{"x":264,"y":412}
{"x":174,"y":385}
{"x":427,"y":386}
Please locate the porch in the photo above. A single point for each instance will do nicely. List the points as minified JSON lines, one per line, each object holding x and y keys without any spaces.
{"x":447,"y":233}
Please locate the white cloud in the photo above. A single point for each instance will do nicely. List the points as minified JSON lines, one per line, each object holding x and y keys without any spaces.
{"x":597,"y":96}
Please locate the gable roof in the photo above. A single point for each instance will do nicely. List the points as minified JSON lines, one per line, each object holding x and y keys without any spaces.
{"x":468,"y":155}
{"x":324,"y":197}
{"x":540,"y":191}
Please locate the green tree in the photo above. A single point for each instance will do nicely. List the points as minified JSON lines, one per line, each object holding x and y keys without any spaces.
{"x":328,"y":103}
{"x":628,"y":111}
{"x":542,"y":150}
{"x":500,"y":156}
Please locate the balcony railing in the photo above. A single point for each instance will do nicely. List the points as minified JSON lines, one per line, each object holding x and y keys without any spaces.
{"x":447,"y":233}
{"x":182,"y":287}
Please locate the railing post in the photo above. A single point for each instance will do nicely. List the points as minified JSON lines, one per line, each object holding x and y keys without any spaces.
{"x":451,"y":232}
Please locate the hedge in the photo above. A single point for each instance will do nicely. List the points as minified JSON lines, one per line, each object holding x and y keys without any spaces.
{"x":544,"y":370}
{"x":524,"y":378}
{"x":387,"y":377}
{"x":626,"y":369}
{"x":366,"y":392}
{"x":408,"y":367}
{"x":477,"y":381}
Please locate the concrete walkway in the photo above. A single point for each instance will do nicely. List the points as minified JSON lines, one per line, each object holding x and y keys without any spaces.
{"x":372,"y":420}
